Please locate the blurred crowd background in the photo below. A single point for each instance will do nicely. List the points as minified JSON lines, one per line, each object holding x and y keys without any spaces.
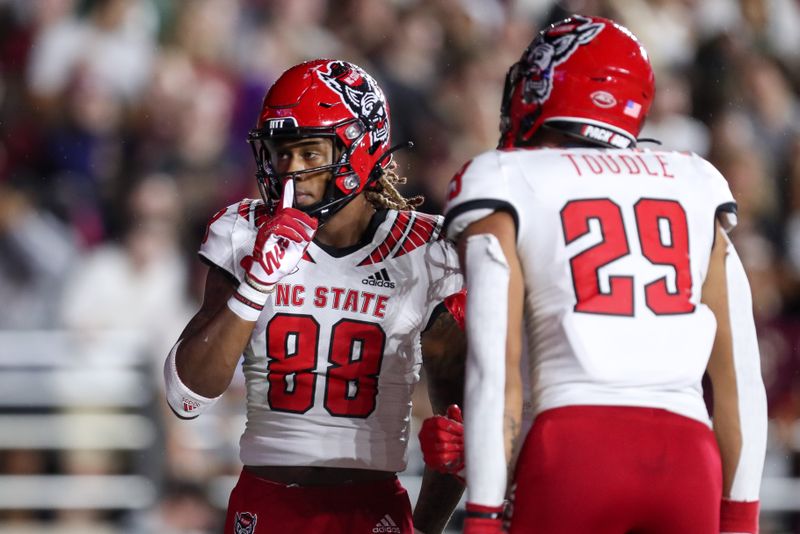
{"x":122,"y":130}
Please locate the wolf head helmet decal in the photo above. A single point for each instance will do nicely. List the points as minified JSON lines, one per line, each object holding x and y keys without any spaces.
{"x":550,"y":49}
{"x":362,"y":96}
{"x":586,"y":76}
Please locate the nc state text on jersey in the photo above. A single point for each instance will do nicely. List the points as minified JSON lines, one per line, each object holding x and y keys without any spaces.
{"x":335,"y":298}
{"x":645,"y":163}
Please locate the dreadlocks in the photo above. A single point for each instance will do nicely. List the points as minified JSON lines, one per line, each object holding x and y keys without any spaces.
{"x":385,"y":193}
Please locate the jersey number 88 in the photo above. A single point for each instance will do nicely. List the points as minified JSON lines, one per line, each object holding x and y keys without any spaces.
{"x":351,"y":378}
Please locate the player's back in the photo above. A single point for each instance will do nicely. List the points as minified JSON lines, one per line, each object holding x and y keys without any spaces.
{"x":615,"y":247}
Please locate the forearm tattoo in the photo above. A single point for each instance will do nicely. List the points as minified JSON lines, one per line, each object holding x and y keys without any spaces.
{"x":443,"y":356}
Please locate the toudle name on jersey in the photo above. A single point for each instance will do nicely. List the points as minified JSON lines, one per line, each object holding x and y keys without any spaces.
{"x":335,"y":298}
{"x":608,"y":162}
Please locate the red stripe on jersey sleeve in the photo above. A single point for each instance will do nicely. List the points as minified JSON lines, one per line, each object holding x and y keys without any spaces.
{"x":398,"y":229}
{"x":244,"y":208}
{"x":421,"y":232}
{"x":260,"y":211}
{"x":216,"y":216}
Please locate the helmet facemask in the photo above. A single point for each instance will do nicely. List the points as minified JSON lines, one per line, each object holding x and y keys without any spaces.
{"x":343,"y":183}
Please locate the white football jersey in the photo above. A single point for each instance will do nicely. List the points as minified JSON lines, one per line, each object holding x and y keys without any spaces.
{"x":335,"y":354}
{"x":614,"y":246}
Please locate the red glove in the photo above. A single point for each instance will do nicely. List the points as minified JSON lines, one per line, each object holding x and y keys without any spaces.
{"x":483,"y":519}
{"x":442,"y":441}
{"x":280,"y":244}
{"x":739,"y":517}
{"x":456,"y":304}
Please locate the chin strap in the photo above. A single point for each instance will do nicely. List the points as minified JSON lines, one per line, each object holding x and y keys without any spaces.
{"x":374,"y":174}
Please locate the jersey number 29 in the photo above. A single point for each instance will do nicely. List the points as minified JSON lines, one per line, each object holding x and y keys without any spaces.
{"x":668,"y":248}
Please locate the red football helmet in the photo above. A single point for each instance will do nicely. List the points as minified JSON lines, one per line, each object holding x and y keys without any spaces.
{"x":588,"y":77}
{"x":325,"y":98}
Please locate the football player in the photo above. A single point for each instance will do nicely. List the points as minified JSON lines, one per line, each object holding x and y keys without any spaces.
{"x":615,"y":264}
{"x":333,"y":288}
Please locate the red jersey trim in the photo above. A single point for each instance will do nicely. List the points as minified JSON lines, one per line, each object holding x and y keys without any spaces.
{"x":260,"y":213}
{"x":382,"y":251}
{"x":253,"y":210}
{"x":422,"y":231}
{"x":214,"y":217}
{"x":244,"y":208}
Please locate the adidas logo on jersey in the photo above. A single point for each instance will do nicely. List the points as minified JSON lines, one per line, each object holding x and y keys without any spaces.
{"x":380,"y":279}
{"x":386,"y":526}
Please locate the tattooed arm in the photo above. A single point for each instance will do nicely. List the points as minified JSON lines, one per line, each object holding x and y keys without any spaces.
{"x":443,"y":353}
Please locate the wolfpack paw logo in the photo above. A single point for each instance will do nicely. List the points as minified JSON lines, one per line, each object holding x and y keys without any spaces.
{"x":552,"y":48}
{"x":245,"y":523}
{"x":362,"y":96}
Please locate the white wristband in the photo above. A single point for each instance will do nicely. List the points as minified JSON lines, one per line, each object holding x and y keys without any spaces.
{"x":184,"y":402}
{"x":247,"y":302}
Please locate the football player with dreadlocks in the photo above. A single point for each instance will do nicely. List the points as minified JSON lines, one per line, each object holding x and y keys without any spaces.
{"x":619,"y":260}
{"x":336,"y":291}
